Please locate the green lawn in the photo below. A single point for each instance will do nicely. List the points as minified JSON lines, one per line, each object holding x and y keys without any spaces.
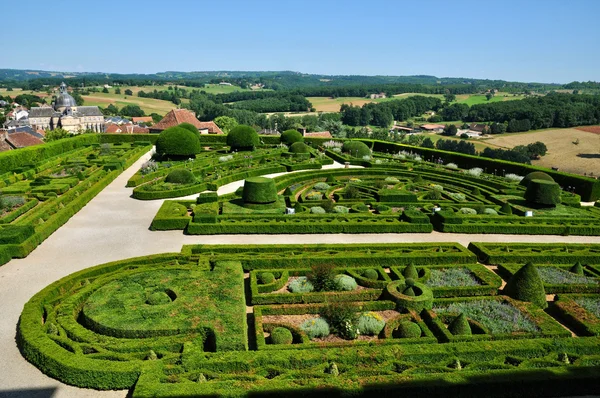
{"x":476,"y":99}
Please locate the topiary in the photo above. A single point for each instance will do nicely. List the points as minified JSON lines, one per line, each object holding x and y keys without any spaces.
{"x":287,"y":192}
{"x":490,"y":212}
{"x":410,"y":272}
{"x":281,"y":335}
{"x":340,"y":209}
{"x":289,"y":137}
{"x":418,"y":179}
{"x":315,"y":327}
{"x":264,"y":278}
{"x":158,"y":298}
{"x":467,"y":210}
{"x":371,"y":274}
{"x":460,"y":326}
{"x":332,"y":369}
{"x":180,"y":176}
{"x":536,"y":175}
{"x":506,"y":209}
{"x":190,"y":127}
{"x":242,"y":137}
{"x":526,"y":285}
{"x":577,"y":268}
{"x":330,"y":179}
{"x":52,"y":329}
{"x":542,"y":192}
{"x":382,"y":208}
{"x":152,"y":356}
{"x":409,"y":291}
{"x":345,"y":283}
{"x":317,"y":210}
{"x":259,"y":190}
{"x":300,"y":285}
{"x":298,"y":208}
{"x":370,"y":324}
{"x":356,"y":149}
{"x":177,"y":142}
{"x":407,"y":330}
{"x":476,"y":191}
{"x":299,"y":147}
{"x":409,"y":282}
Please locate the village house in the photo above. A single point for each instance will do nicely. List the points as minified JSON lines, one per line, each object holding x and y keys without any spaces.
{"x":436,"y":128}
{"x":178,"y":116}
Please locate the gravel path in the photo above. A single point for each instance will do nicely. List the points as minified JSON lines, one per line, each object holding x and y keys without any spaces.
{"x":114,"y":227}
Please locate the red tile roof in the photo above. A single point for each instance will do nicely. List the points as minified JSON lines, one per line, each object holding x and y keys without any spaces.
{"x":319,"y":134}
{"x":126,"y":129}
{"x":22,"y":140}
{"x":178,"y":116}
{"x":143,"y":119}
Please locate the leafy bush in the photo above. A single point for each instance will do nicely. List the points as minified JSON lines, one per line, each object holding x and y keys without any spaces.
{"x":243,"y":137}
{"x":506,"y":209}
{"x":433,"y":195}
{"x":452,"y":166}
{"x":370,"y":324}
{"x":342,"y":319}
{"x":542,"y":192}
{"x":299,"y":147}
{"x":340,"y":209}
{"x":460,"y":326}
{"x":321,"y":186}
{"x":315,"y":327}
{"x":300,"y":285}
{"x":351,"y":192}
{"x":180,"y":176}
{"x":10,"y":201}
{"x":281,"y":335}
{"x":356,"y":149}
{"x":190,"y":127}
{"x":148,"y":167}
{"x":323,"y":277}
{"x":392,"y":180}
{"x":475,"y":171}
{"x":526,"y":285}
{"x":225,"y":158}
{"x":317,"y":210}
{"x":382,"y":208}
{"x":513,"y":177}
{"x":158,"y":298}
{"x":437,"y":187}
{"x":459,"y":197}
{"x":345,"y":283}
{"x":536,"y":175}
{"x":467,"y":210}
{"x":314,"y":196}
{"x":371,"y":274}
{"x":178,"y":142}
{"x":259,"y":190}
{"x":490,"y":212}
{"x":290,"y":137}
{"x":407,"y":330}
{"x":264,"y":278}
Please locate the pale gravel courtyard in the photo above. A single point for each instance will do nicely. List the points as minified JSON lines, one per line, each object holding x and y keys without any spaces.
{"x":114,"y":227}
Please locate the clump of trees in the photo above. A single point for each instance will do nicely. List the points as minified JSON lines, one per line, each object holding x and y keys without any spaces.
{"x":383,"y":114}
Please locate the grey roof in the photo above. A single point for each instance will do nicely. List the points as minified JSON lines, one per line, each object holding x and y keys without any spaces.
{"x":87,"y":111}
{"x":25,"y":129}
{"x":64,"y":100}
{"x":41,"y":112}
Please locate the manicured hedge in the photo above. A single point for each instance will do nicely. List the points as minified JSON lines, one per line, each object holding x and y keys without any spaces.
{"x":538,"y":253}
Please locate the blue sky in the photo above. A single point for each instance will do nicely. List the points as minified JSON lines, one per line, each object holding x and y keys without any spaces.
{"x":526,"y":40}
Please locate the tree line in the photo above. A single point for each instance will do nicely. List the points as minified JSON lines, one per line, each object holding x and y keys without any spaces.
{"x":383,"y":114}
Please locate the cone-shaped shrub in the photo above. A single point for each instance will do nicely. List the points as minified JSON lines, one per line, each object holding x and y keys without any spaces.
{"x":298,"y":208}
{"x":410,"y":272}
{"x":330,"y":179}
{"x":288,"y":192}
{"x":476,"y":191}
{"x":542,"y":192}
{"x":289,"y":137}
{"x":407,"y":330}
{"x":460,"y":326}
{"x":526,"y":285}
{"x":577,"y":268}
{"x":506,"y":209}
{"x":409,"y":291}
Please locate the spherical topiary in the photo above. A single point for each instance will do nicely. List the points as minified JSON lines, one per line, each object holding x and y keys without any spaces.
{"x":370,"y":324}
{"x":526,"y":285}
{"x":371,"y":274}
{"x":460,"y":326}
{"x":281,"y":336}
{"x":180,"y":176}
{"x":158,"y":298}
{"x":345,"y":283}
{"x":542,"y":192}
{"x":356,"y":149}
{"x":264,"y":278}
{"x":407,"y":330}
{"x":299,"y":147}
{"x":410,"y":272}
{"x":190,"y":127}
{"x":536,"y":175}
{"x":260,"y":190}
{"x":177,"y":142}
{"x":315,"y":327}
{"x":243,"y":137}
{"x":288,"y":137}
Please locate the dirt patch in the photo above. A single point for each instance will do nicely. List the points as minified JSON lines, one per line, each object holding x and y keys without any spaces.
{"x":589,"y":129}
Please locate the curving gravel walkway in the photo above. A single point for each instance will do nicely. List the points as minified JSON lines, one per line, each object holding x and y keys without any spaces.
{"x":113,"y":227}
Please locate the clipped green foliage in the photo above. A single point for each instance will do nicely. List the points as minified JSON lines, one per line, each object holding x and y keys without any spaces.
{"x":409,"y":291}
{"x":332,"y":369}
{"x":287,"y":192}
{"x":506,"y":209}
{"x":577,"y":268}
{"x":330,"y":179}
{"x":242,"y":137}
{"x":410,"y":272}
{"x":526,"y":285}
{"x":190,"y":127}
{"x":356,"y":149}
{"x":264,"y":278}
{"x":460,"y":326}
{"x":301,"y":285}
{"x":180,"y":176}
{"x":407,"y":330}
{"x":370,"y":323}
{"x":371,"y":274}
{"x":317,"y":210}
{"x":476,"y":191}
{"x":345,"y":283}
{"x":315,"y":328}
{"x":281,"y":335}
{"x":542,"y":192}
{"x":177,"y":142}
{"x":298,"y":208}
{"x":151,"y":356}
{"x":536,"y":175}
{"x":341,"y":209}
{"x":158,"y":298}
{"x":299,"y":147}
{"x":259,"y":190}
{"x":290,"y":137}
{"x":52,"y":329}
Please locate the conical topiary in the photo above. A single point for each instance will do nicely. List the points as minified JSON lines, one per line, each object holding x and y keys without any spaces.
{"x":287,"y":192}
{"x":577,"y":268}
{"x":409,"y":291}
{"x":418,"y":179}
{"x":506,"y":209}
{"x":410,"y":272}
{"x":526,"y":285}
{"x":476,"y":191}
{"x":298,"y":208}
{"x":330,"y":179}
{"x":460,"y":326}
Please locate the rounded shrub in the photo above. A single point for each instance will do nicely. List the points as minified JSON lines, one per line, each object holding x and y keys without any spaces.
{"x":370,"y":324}
{"x":371,"y":274}
{"x":180,"y":176}
{"x":383,"y":208}
{"x":281,"y":335}
{"x":526,"y":285}
{"x":315,"y":327}
{"x":243,"y":137}
{"x":300,"y":285}
{"x":542,"y":192}
{"x":356,"y":149}
{"x":345,"y":283}
{"x":536,"y":175}
{"x":288,"y":137}
{"x":321,"y":186}
{"x":259,"y":190}
{"x":340,"y":209}
{"x":490,"y":212}
{"x":177,"y":142}
{"x":317,"y":210}
{"x":158,"y":298}
{"x":392,"y":180}
{"x":460,"y":326}
{"x":467,"y":210}
{"x":190,"y":127}
{"x":407,"y":330}
{"x":264,"y":278}
{"x":299,"y":147}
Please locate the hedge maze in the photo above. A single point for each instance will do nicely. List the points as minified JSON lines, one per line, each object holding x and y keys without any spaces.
{"x":347,"y":319}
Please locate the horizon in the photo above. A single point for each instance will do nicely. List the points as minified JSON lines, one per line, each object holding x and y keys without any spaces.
{"x":514,"y":41}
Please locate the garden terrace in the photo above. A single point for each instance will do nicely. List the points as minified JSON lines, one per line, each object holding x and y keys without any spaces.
{"x":42,"y":196}
{"x":391,"y":318}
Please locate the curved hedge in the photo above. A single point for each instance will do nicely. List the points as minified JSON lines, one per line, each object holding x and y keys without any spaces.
{"x":243,"y":137}
{"x":178,"y":142}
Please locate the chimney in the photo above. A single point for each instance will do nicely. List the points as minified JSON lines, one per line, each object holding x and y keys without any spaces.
{"x":302,"y":131}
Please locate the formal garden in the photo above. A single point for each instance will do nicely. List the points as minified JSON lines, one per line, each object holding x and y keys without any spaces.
{"x":490,"y":319}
